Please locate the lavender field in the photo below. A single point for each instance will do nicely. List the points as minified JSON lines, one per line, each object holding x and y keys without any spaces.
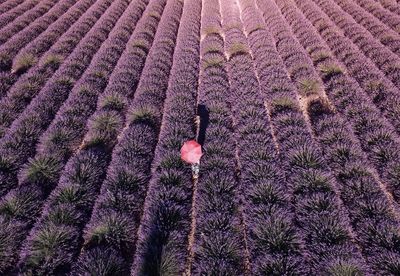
{"x":296,"y":106}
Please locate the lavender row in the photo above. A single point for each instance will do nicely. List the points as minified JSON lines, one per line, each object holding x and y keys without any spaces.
{"x":378,"y":138}
{"x":390,"y":5}
{"x":8,"y":5}
{"x":334,"y":77}
{"x":384,"y":59}
{"x":388,"y":18}
{"x":218,"y":241}
{"x":10,"y":15}
{"x":273,"y":243}
{"x":165,"y":224}
{"x":64,"y":135}
{"x":19,"y":143}
{"x":349,"y":164}
{"x":388,"y":37}
{"x":30,"y":54}
{"x":7,"y":79}
{"x":378,"y":88}
{"x":16,"y":147}
{"x":98,"y":143}
{"x":273,"y":80}
{"x":119,"y":207}
{"x":273,"y":240}
{"x":371,"y":212}
{"x":20,"y":23}
{"x":30,"y":84}
{"x":313,"y":189}
{"x":384,"y":97}
{"x":9,"y":49}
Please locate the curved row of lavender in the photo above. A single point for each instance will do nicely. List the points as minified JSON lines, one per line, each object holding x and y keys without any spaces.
{"x":26,"y":130}
{"x":165,"y":224}
{"x":314,"y":191}
{"x":347,"y":160}
{"x":24,"y":60}
{"x":378,"y":138}
{"x":7,"y":17}
{"x":218,"y":240}
{"x":64,"y":136}
{"x":273,"y":243}
{"x":383,"y":92}
{"x":386,"y":16}
{"x":110,"y":235}
{"x":306,"y":179}
{"x":386,"y":35}
{"x":94,"y":153}
{"x":295,"y":103}
{"x":36,"y":119}
{"x":9,"y":5}
{"x":12,"y":46}
{"x":29,"y":85}
{"x":22,"y":22}
{"x":386,"y":61}
{"x":30,"y":54}
{"x":386,"y":6}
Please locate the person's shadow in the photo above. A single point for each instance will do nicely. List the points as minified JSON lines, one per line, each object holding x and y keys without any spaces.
{"x":204,"y":115}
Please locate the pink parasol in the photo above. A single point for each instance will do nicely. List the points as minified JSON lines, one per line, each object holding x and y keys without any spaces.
{"x":191,"y":152}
